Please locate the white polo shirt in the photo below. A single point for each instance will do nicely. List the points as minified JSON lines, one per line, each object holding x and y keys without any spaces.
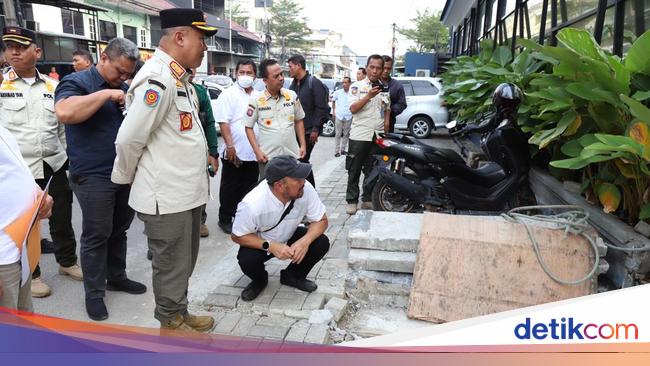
{"x":231,"y":108}
{"x":18,"y":192}
{"x":260,"y":210}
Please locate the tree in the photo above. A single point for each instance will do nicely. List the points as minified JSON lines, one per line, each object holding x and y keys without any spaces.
{"x":288,"y":29}
{"x":429,"y":33}
{"x":238,"y":15}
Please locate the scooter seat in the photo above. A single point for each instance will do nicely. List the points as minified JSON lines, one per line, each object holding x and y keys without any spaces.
{"x":442,"y":154}
{"x":487,"y":175}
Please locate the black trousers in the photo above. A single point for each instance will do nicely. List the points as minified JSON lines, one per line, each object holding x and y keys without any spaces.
{"x":359,"y":159}
{"x":65,"y":245}
{"x":310,"y":147}
{"x":235,"y":184}
{"x":251,"y":261}
{"x":106,"y":218}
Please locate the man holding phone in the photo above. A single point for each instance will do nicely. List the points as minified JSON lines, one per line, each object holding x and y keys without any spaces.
{"x":370,"y":107}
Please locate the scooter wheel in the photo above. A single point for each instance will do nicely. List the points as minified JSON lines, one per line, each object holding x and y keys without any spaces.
{"x":384,"y":198}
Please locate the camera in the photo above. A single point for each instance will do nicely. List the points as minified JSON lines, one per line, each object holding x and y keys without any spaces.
{"x":384,"y":87}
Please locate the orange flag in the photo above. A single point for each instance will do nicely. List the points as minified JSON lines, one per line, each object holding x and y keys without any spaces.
{"x":26,"y":230}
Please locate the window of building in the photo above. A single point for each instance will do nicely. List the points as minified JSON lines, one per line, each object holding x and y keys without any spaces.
{"x":107,"y":30}
{"x":73,"y":22}
{"x":130,"y":33}
{"x":92,"y":28}
{"x":143,"y":38}
{"x":423,"y":87}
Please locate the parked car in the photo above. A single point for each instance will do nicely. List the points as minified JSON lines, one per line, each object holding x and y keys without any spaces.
{"x":425,"y":109}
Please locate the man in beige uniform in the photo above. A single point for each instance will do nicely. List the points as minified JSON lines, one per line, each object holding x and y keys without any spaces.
{"x":370,"y":116}
{"x":279,"y":118}
{"x":162,"y":151}
{"x":27,"y":111}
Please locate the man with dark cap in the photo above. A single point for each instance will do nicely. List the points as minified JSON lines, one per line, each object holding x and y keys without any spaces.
{"x":27,"y":112}
{"x":267,"y":225}
{"x":162,"y":152}
{"x":90,"y":104}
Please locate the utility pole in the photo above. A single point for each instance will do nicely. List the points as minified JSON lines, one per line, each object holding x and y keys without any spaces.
{"x":393,"y":44}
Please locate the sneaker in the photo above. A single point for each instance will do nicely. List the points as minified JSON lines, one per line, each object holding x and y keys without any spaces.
{"x":201,"y":323}
{"x":74,"y":271}
{"x":47,"y":246}
{"x":337,"y":155}
{"x":351,"y":209}
{"x":40,"y":288}
{"x":178,"y":323}
{"x":287,"y":279}
{"x":204,"y":231}
{"x":226,"y":227}
{"x":252,"y":291}
{"x":128,"y":286}
{"x":366,"y":205}
{"x":96,"y":309}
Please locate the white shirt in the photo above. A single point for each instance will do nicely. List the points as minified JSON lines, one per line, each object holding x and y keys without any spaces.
{"x":161,"y":148}
{"x":260,"y":210}
{"x":231,"y":108}
{"x":342,"y":105}
{"x":18,"y":192}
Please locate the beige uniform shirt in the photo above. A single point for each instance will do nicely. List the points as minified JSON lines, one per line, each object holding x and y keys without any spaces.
{"x":275,"y":119}
{"x":370,"y":119}
{"x":27,"y":111}
{"x":161,"y":146}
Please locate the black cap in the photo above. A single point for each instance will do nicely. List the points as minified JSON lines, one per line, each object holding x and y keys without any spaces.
{"x":185,"y":17}
{"x":18,"y":35}
{"x":286,"y":166}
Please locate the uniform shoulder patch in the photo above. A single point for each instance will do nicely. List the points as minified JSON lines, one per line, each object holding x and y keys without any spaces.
{"x":251,"y":109}
{"x":354,"y":90}
{"x":157,"y":83}
{"x":151,"y":97}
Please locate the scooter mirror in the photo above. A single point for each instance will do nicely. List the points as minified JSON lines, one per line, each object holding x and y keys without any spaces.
{"x":451,"y":125}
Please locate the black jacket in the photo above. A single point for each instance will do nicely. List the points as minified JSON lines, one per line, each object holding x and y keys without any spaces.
{"x":397,"y":98}
{"x":313,"y":100}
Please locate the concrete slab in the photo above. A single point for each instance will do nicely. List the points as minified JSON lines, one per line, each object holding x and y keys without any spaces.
{"x":381,"y":260}
{"x":221,"y":300}
{"x":228,"y":323}
{"x":337,"y":307}
{"x":314,"y":301}
{"x":298,"y":332}
{"x":318,"y":334}
{"x":391,"y":231}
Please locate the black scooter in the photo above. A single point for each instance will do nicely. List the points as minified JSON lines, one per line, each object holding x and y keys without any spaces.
{"x":411,"y":176}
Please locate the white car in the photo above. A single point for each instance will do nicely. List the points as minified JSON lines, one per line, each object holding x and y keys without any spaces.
{"x":425,"y":107}
{"x":214,"y":90}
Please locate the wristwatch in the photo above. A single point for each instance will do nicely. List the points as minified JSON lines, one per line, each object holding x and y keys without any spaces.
{"x":266,"y":246}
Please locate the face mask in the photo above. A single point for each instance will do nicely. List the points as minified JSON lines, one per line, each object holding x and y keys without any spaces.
{"x":245,"y":81}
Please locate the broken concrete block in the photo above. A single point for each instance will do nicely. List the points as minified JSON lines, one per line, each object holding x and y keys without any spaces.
{"x":245,"y":324}
{"x":318,"y":334}
{"x":379,"y":260}
{"x":298,"y":314}
{"x":314,"y":301}
{"x":322,"y":316}
{"x":337,"y":307}
{"x":642,"y":228}
{"x":392,"y":231}
{"x":297,"y":332}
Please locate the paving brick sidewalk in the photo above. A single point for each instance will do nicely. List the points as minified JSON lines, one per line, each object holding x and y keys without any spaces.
{"x":283,"y":313}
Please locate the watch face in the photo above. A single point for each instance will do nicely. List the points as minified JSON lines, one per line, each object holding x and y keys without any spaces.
{"x":265,"y":245}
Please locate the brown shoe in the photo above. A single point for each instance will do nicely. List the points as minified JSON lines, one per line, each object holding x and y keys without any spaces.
{"x":200,"y":323}
{"x":74,"y":271}
{"x":204,"y":231}
{"x":178,"y":323}
{"x":40,"y":288}
{"x":351,"y":208}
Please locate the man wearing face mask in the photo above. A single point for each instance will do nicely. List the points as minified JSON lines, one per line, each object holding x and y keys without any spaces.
{"x":90,"y":104}
{"x":240,"y":169}
{"x":201,"y":97}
